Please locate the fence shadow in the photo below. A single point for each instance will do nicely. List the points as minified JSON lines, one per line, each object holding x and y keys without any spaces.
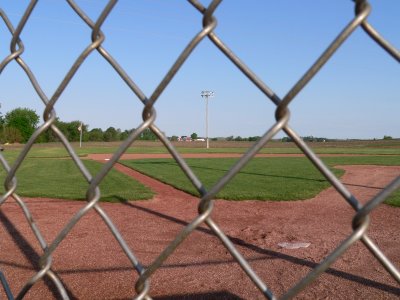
{"x":222,"y":295}
{"x":31,"y":255}
{"x":277,"y":255}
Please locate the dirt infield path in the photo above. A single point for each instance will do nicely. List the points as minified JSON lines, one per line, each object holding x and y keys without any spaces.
{"x":92,"y":266}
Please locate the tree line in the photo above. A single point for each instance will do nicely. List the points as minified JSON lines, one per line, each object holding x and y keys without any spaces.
{"x":18,"y":125}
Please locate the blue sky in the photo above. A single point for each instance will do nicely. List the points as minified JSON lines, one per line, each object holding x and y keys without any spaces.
{"x":356,"y":95}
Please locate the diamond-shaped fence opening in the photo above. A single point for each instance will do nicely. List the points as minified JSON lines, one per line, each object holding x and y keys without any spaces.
{"x":41,"y":269}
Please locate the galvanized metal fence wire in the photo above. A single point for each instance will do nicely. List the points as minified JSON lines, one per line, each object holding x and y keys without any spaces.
{"x":205,"y":207}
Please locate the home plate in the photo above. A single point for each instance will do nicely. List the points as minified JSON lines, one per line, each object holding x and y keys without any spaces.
{"x":106,"y":159}
{"x":293,"y":245}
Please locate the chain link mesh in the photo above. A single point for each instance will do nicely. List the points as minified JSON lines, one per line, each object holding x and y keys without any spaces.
{"x":205,"y":207}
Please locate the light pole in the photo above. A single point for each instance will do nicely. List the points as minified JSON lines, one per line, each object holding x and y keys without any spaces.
{"x":206,"y":95}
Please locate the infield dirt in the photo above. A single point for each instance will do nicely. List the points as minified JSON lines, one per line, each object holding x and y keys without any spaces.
{"x":92,"y":266}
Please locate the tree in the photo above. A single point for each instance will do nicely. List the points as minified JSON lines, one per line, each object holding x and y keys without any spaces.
{"x":125,"y":134}
{"x":1,"y":119}
{"x":49,"y":135}
{"x":23,"y":119}
{"x":254,"y":138}
{"x":69,"y":130}
{"x":73,"y":133}
{"x":387,"y":137}
{"x":194,"y":136}
{"x":111,"y":134}
{"x":96,"y":135}
{"x":287,"y":139}
{"x":148,"y":135}
{"x":11,"y":135}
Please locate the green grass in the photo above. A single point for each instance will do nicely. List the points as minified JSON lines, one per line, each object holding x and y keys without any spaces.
{"x":364,"y":151}
{"x":58,"y":151}
{"x":60,"y":178}
{"x":394,"y":199}
{"x":277,"y":178}
{"x":271,"y":178}
{"x":363,"y":160}
{"x":261,"y":179}
{"x":361,"y":150}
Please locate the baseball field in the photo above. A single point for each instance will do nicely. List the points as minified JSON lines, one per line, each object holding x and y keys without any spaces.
{"x":279,"y":198}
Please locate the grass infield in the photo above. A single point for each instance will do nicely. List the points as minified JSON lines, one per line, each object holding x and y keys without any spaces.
{"x":262,"y":179}
{"x":279,"y":178}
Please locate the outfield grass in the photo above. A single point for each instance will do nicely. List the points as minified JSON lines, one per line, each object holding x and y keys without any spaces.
{"x":364,"y":151}
{"x":279,"y":178}
{"x":60,"y":178}
{"x":56,"y":150}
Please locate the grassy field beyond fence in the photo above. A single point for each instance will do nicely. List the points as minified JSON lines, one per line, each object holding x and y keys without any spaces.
{"x":49,"y":172}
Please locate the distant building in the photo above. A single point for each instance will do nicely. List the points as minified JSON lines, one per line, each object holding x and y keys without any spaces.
{"x":184,"y":138}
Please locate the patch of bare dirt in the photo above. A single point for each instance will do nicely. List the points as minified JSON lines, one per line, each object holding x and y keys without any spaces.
{"x":92,"y":266}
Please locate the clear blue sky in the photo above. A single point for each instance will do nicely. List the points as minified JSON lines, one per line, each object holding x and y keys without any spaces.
{"x":356,"y":95}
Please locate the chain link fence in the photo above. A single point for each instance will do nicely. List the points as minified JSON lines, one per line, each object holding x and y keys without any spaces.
{"x":361,"y":212}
